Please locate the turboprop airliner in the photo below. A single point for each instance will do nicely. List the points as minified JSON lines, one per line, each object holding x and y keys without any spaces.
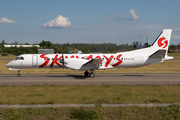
{"x":90,"y":62}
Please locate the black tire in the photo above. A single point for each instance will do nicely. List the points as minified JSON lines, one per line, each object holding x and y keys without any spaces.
{"x":91,"y":75}
{"x":86,"y":74}
{"x":18,"y":75}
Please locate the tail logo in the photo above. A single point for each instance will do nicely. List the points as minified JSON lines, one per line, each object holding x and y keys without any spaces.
{"x":162,"y":42}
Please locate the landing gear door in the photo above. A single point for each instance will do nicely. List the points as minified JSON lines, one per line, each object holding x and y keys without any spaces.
{"x":34,"y":60}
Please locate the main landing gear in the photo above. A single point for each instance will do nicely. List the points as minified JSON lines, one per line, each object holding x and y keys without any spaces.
{"x":18,"y":73}
{"x":87,"y":74}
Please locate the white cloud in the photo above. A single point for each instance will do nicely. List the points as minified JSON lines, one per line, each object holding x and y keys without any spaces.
{"x":133,"y":14}
{"x":60,"y":21}
{"x":5,"y":20}
{"x":119,"y":33}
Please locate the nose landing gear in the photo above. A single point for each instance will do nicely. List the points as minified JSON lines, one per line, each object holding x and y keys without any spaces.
{"x":18,"y":73}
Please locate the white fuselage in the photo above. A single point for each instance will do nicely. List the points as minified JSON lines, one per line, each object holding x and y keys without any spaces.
{"x":75,"y":61}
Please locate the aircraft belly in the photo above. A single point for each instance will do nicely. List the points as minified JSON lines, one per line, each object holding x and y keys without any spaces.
{"x":102,"y":67}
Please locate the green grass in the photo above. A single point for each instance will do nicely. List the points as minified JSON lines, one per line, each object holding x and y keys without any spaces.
{"x":8,"y":57}
{"x":175,"y":55}
{"x":89,"y":94}
{"x":93,"y":113}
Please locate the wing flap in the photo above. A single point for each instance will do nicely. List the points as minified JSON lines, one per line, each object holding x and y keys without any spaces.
{"x":93,"y":63}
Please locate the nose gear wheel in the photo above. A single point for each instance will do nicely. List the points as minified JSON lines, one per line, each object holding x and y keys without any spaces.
{"x":18,"y":73}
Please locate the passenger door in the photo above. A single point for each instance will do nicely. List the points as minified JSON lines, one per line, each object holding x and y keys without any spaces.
{"x":34,"y":60}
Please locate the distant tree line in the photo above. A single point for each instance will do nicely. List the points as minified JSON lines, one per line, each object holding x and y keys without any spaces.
{"x":91,"y":47}
{"x":174,"y":48}
{"x":74,"y":47}
{"x":16,"y":50}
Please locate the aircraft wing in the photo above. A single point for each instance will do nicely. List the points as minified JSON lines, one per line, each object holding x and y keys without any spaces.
{"x":93,"y":62}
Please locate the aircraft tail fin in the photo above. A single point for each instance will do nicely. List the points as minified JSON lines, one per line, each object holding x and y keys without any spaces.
{"x":162,"y":42}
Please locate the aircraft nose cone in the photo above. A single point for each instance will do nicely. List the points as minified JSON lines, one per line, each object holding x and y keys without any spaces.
{"x":7,"y":65}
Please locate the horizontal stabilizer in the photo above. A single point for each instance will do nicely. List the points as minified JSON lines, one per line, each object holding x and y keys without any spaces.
{"x":168,"y":58}
{"x":159,"y":54}
{"x":93,"y":62}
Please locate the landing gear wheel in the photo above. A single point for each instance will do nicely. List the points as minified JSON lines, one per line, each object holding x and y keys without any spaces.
{"x":86,"y":73}
{"x":18,"y":73}
{"x":91,"y":75}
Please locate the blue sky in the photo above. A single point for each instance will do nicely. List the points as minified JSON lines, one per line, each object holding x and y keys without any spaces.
{"x":88,"y":21}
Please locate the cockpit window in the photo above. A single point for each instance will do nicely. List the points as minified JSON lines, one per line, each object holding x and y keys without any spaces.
{"x":19,"y":58}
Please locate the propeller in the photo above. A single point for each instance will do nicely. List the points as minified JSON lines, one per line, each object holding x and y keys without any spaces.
{"x":62,"y":61}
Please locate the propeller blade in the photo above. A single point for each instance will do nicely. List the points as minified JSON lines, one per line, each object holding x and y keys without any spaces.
{"x":62,"y":61}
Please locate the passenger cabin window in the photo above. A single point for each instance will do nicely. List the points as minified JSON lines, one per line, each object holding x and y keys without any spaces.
{"x":19,"y":58}
{"x":47,"y":59}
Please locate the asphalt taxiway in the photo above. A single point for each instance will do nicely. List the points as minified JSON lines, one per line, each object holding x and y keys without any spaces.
{"x":80,"y":79}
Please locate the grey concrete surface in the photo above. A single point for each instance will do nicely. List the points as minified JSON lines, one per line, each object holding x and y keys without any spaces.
{"x":88,"y":105}
{"x":79,"y":79}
